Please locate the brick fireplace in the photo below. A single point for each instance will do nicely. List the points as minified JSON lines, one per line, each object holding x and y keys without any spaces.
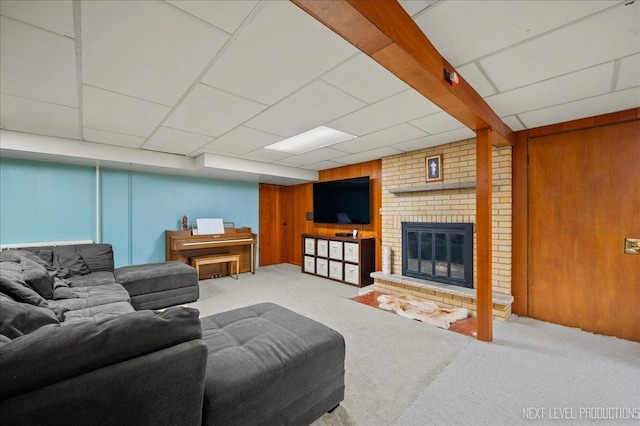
{"x":408,"y":198}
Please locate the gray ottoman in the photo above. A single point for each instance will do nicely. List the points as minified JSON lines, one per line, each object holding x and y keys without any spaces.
{"x":158,"y":285}
{"x":269,"y":365}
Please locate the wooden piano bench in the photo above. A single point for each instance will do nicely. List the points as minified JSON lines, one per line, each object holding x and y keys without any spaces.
{"x":210,"y":259}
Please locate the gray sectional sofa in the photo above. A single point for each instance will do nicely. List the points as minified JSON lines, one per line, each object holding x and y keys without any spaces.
{"x":73,"y":350}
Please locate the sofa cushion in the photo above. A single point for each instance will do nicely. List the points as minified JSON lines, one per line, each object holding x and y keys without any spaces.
{"x":94,"y":278}
{"x":12,"y":284}
{"x":37,"y":277}
{"x":61,"y":290}
{"x":69,"y":262}
{"x":97,"y":313}
{"x":154,"y":277}
{"x":18,"y":319}
{"x":270,"y":365}
{"x":98,"y":257}
{"x":54,"y":353}
{"x":43,"y":253}
{"x":15,"y":255}
{"x":95,"y":296}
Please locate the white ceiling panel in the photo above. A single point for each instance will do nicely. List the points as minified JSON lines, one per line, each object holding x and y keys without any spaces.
{"x":322,"y":165}
{"x":382,"y":138}
{"x":53,"y":15}
{"x":53,"y":120}
{"x":437,"y":123}
{"x":257,"y":67}
{"x":403,"y":107}
{"x":414,"y":6}
{"x":434,"y":140}
{"x":321,"y":154}
{"x":154,"y":52}
{"x":513,"y":123}
{"x":209,"y":111}
{"x":111,"y":138}
{"x":310,"y":107}
{"x":611,"y":102}
{"x":474,"y":76}
{"x":175,"y":141}
{"x":569,"y":87}
{"x":242,"y":140}
{"x":362,"y":157}
{"x":267,"y":155}
{"x":37,"y":64}
{"x":601,"y":38}
{"x":365,"y":79}
{"x":224,"y":14}
{"x":629,"y":73}
{"x":112,"y":112}
{"x":464,"y":30}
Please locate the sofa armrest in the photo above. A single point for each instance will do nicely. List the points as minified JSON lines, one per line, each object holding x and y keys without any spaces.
{"x":55,"y":353}
{"x":165,"y":387}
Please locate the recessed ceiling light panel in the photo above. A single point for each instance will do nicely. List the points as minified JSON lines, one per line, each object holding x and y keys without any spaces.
{"x":319,"y":137}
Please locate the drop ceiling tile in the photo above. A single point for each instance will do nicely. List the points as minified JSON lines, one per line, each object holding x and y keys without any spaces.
{"x":629,"y":73}
{"x":472,"y":74}
{"x":53,"y":15}
{"x":37,"y":64}
{"x":41,"y":118}
{"x":224,"y":14}
{"x":242,"y":140}
{"x":110,"y":138}
{"x":174,"y":141}
{"x":435,"y":140}
{"x":400,"y":108}
{"x":465,"y":30}
{"x":322,"y":165}
{"x":362,"y":157}
{"x":112,"y":112}
{"x":209,"y":111}
{"x":603,"y":104}
{"x":437,"y":123}
{"x":155,"y":52}
{"x":513,"y":123}
{"x":256,"y":66}
{"x":379,"y":139}
{"x":414,"y":6}
{"x":310,"y":107}
{"x":266,"y":155}
{"x":595,"y":40}
{"x":569,"y":87}
{"x":365,"y":79}
{"x":310,"y":157}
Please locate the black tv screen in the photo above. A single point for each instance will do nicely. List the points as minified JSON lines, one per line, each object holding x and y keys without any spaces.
{"x":344,"y":201}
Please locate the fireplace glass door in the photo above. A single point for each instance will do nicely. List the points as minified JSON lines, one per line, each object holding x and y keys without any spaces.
{"x":438,"y":251}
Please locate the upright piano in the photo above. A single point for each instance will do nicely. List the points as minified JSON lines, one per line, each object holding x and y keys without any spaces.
{"x":182,"y":245}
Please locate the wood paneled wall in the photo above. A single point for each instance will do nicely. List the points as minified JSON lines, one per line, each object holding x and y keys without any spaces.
{"x":576,"y":187}
{"x":283,"y":215}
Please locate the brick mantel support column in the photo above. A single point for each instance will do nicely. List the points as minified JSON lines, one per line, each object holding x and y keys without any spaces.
{"x":484,"y":281}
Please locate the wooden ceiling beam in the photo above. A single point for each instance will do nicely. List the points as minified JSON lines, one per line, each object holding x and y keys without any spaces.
{"x":384,"y":31}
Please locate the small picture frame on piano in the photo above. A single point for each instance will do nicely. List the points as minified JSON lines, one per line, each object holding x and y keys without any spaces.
{"x":229,"y":225}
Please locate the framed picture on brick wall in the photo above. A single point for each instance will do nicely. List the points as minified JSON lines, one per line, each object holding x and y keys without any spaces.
{"x":434,"y":167}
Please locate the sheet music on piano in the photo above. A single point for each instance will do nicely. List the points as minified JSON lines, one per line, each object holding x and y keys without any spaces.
{"x":210,"y":226}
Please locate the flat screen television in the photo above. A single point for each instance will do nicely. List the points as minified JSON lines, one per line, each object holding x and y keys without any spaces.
{"x":345,"y":201}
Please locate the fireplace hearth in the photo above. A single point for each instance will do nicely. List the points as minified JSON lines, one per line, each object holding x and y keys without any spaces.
{"x":441,"y":252}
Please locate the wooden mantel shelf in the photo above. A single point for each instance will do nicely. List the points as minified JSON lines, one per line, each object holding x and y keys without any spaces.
{"x":436,"y":187}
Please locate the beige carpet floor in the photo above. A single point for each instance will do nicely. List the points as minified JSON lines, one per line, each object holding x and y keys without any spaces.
{"x":404,"y":372}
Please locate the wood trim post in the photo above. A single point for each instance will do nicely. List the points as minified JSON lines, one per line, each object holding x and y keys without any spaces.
{"x":484,"y":282}
{"x":520,"y":226}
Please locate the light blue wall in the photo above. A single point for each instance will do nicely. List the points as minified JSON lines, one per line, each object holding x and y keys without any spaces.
{"x":135,"y":208}
{"x":43,"y":202}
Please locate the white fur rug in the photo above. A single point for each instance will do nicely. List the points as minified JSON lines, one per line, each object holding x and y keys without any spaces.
{"x":422,"y":310}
